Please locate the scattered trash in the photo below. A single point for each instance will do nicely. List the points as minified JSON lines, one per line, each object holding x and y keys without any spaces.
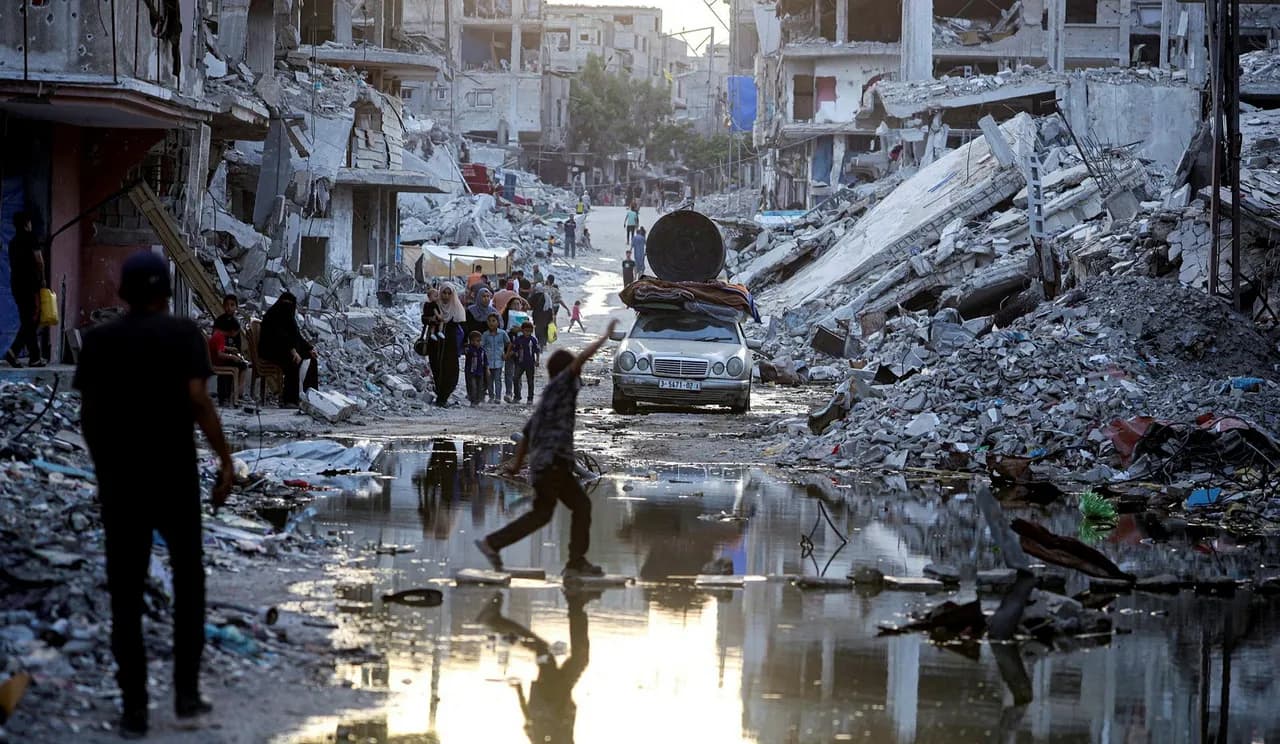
{"x":1067,"y":552}
{"x":416,"y":598}
{"x":1202,"y":497}
{"x":231,"y":639}
{"x":11,"y":691}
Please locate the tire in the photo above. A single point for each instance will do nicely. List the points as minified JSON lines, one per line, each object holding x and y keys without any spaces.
{"x":622,"y":405}
{"x":743,"y":405}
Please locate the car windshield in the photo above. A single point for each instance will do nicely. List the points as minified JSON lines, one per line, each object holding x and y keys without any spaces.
{"x":685,"y":328}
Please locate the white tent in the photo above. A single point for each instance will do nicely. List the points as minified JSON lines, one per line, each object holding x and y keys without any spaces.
{"x":455,"y":261}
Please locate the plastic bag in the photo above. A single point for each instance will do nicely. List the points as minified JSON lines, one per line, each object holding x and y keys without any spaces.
{"x":551,"y":333}
{"x":48,"y":308}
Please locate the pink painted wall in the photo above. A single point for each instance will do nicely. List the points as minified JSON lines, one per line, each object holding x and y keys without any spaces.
{"x":108,"y":154}
{"x":64,"y":252}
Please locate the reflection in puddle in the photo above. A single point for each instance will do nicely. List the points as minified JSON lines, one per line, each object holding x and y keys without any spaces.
{"x":663,"y":661}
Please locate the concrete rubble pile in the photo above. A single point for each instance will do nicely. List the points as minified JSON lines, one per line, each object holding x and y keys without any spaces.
{"x":761,"y":257}
{"x":483,"y":220}
{"x":895,"y":96}
{"x":937,"y":393}
{"x":54,"y":621}
{"x":925,"y":305}
{"x":742,"y":203}
{"x":367,"y":361}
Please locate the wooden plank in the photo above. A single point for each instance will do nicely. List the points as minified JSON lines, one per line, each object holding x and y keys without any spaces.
{"x":170,"y":234}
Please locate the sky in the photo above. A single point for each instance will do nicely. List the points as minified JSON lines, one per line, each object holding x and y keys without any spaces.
{"x":679,"y":15}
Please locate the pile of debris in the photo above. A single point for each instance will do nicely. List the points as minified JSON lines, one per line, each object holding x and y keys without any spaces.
{"x":740,"y":203}
{"x":961,"y":31}
{"x":931,"y":391}
{"x":54,"y":625}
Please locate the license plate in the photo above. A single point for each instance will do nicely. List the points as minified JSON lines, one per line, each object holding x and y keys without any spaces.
{"x":680,"y":385}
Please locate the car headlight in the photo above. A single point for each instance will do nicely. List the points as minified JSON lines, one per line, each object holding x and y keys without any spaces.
{"x":735,"y":366}
{"x":718,"y":368}
{"x":643,"y":364}
{"x":627,"y":361}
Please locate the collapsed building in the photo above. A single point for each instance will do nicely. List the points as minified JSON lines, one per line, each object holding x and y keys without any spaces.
{"x":851,"y":90}
{"x":1016,"y":295}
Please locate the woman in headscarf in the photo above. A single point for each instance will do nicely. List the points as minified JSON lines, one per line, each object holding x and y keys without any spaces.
{"x":283,"y":344}
{"x":443,"y":352}
{"x":543,"y":313}
{"x":479,"y":310}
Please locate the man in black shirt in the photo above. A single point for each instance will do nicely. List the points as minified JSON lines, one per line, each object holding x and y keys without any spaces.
{"x":137,"y":418}
{"x":26,"y":279}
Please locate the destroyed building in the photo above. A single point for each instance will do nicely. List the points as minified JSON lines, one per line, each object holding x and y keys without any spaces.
{"x":497,"y":92}
{"x":832,"y":75}
{"x":629,"y":39}
{"x":95,"y":99}
{"x":313,"y":191}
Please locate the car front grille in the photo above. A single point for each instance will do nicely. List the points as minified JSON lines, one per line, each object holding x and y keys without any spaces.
{"x":680,"y":367}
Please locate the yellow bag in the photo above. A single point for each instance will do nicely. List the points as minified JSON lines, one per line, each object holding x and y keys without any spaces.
{"x":551,"y":333}
{"x":48,"y":308}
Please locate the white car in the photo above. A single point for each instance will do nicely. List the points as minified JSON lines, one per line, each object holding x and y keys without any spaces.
{"x":678,"y":358}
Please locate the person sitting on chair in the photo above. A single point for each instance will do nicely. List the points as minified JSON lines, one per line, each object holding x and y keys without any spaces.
{"x":224,"y":351}
{"x":283,"y":344}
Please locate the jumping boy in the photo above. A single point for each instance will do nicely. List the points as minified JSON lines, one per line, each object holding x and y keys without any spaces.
{"x":548,"y":442}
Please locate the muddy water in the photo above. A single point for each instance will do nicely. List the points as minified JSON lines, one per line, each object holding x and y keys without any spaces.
{"x":664,"y":662}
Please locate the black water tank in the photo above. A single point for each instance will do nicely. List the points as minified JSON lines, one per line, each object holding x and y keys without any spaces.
{"x":685,"y":246}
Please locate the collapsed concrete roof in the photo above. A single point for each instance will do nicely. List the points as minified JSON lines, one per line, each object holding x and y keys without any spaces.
{"x":964,"y":182}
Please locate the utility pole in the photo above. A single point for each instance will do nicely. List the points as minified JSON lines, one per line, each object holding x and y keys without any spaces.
{"x":1224,"y":53}
{"x":711,"y":97}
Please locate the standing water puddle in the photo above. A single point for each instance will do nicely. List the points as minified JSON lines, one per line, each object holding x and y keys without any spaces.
{"x":768,"y":662}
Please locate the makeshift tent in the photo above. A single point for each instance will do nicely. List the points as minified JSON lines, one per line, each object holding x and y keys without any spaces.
{"x":452,"y":261}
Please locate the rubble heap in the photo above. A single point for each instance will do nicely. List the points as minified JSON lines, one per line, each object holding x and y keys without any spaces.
{"x":1046,"y":384}
{"x":54,"y":621}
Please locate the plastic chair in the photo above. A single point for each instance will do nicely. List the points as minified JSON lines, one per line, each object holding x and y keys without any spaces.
{"x":264,"y":369}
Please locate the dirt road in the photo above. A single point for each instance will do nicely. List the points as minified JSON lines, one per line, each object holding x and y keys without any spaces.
{"x":658,"y":434}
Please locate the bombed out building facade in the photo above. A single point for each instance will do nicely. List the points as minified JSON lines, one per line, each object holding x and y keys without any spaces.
{"x":850,"y":89}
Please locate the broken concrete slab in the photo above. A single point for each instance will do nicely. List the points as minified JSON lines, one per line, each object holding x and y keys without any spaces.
{"x":481,"y":577}
{"x":608,"y":581}
{"x":329,"y":405}
{"x":913,"y":584}
{"x":823,"y":582}
{"x":965,"y":181}
{"x":943,"y":572}
{"x":718,"y":581}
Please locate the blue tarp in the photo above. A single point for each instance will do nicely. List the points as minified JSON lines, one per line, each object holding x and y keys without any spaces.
{"x":823,"y":154}
{"x":742,"y":103}
{"x":11,"y":202}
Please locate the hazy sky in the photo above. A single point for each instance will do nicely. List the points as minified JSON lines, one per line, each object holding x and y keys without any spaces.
{"x":679,"y":15}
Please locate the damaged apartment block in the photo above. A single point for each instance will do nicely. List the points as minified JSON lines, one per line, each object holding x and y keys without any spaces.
{"x":852,"y":90}
{"x":305,"y":191}
{"x":96,"y":99}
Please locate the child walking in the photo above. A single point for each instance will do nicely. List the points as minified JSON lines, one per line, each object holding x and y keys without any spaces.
{"x":497,"y":345}
{"x":477,"y":368}
{"x":576,"y":316}
{"x":525,"y":352}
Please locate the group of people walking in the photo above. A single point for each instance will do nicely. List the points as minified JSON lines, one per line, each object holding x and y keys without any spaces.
{"x":498,"y":336}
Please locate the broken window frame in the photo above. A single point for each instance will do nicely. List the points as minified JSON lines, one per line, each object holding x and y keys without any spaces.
{"x":476,"y":98}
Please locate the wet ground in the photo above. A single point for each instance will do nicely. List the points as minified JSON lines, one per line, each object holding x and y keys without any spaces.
{"x":663,"y":660}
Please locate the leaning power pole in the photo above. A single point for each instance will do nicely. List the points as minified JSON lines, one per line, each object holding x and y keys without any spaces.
{"x":1224,"y":86}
